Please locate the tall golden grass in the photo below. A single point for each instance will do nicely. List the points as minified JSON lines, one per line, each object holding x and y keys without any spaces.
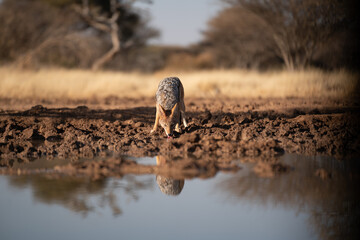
{"x":83,"y":84}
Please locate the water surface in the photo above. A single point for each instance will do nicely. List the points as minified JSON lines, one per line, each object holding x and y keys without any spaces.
{"x":297,"y":204}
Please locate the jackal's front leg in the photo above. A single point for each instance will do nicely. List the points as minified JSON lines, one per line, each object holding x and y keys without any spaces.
{"x":182,"y":113}
{"x":156,"y":121}
{"x":177,"y":127}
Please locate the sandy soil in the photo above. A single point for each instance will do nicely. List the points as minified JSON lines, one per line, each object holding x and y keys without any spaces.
{"x":219,"y":131}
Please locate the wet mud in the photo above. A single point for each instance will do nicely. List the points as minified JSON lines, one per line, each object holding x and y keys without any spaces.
{"x":219,"y":130}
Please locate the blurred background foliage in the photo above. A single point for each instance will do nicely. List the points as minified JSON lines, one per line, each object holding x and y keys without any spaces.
{"x":264,"y":34}
{"x":259,"y":34}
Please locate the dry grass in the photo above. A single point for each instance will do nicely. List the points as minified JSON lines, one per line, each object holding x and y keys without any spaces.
{"x":82,"y":84}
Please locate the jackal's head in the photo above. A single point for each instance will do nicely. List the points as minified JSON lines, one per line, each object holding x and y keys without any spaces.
{"x":168,"y":119}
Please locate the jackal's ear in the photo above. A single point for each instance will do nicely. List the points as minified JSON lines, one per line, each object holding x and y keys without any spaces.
{"x":161,"y":110}
{"x":173,"y":109}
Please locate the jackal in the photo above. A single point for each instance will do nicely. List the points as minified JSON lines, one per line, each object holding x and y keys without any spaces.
{"x":170,"y":106}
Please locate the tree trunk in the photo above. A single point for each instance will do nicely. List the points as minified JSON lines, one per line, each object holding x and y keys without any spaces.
{"x":99,"y":63}
{"x":108,"y":25}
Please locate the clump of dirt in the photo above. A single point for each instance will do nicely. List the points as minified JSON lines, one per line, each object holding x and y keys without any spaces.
{"x":222,"y":128}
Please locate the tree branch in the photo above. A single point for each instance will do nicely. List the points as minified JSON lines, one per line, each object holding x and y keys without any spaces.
{"x":92,"y":21}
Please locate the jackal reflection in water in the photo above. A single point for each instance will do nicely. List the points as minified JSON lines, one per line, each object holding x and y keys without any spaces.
{"x":168,"y":186}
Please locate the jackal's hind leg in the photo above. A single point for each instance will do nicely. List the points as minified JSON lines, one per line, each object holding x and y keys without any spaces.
{"x":182,"y":113}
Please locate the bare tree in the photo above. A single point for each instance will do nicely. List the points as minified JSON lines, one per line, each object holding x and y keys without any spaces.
{"x":50,"y":33}
{"x":108,"y":24}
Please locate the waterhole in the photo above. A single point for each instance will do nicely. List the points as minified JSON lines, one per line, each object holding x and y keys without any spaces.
{"x":297,"y":197}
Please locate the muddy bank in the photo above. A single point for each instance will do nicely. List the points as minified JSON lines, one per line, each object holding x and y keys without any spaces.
{"x":223,"y":129}
{"x":119,"y":166}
